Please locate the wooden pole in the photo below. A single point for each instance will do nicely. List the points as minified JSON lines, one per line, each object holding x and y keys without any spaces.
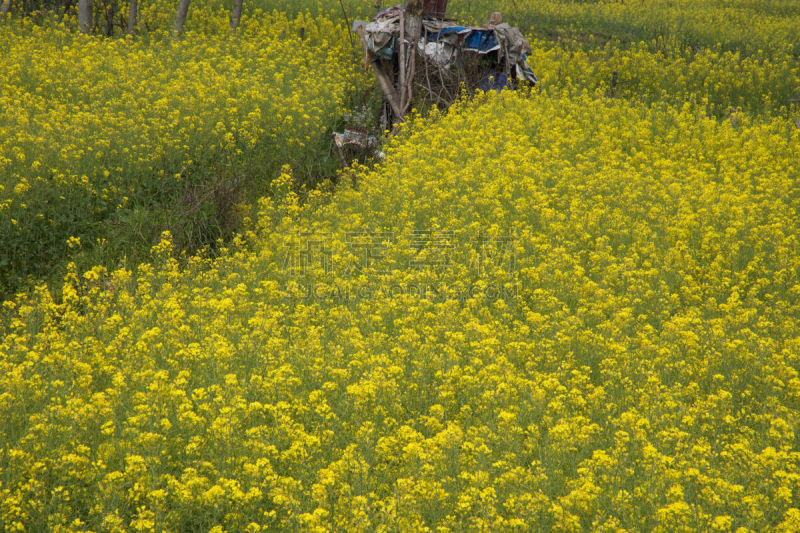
{"x":388,"y":89}
{"x":387,"y":84}
{"x":401,"y":61}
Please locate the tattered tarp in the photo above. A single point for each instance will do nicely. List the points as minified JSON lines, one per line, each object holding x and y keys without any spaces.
{"x":444,"y":40}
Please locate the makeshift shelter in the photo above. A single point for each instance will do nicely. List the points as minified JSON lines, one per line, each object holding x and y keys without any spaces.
{"x":430,"y":57}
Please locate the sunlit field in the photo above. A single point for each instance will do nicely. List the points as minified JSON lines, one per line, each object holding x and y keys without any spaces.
{"x":570,"y":307}
{"x":105,"y":140}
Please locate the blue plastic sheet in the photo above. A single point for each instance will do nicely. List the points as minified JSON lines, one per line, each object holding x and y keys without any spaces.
{"x":475,"y":40}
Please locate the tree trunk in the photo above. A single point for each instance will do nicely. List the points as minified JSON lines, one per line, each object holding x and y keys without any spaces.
{"x":413,"y":32}
{"x":4,"y":10}
{"x":236,"y":14}
{"x":133,"y":7}
{"x":85,"y":15}
{"x":180,"y":15}
{"x":111,"y":12}
{"x":413,"y":17}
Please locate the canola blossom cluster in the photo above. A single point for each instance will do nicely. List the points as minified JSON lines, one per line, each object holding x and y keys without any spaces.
{"x":93,"y":128}
{"x":540,"y":312}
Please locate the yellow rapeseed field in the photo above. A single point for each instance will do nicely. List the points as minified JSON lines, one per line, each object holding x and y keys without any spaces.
{"x":539,"y":312}
{"x":93,"y":129}
{"x":724,"y":83}
{"x":568,"y":308}
{"x":748,"y":26}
